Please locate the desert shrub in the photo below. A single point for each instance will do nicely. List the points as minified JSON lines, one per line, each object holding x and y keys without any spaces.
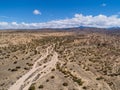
{"x":26,"y":68}
{"x":99,"y":78}
{"x":0,"y":51}
{"x":41,"y":86}
{"x":45,"y":66}
{"x":52,"y":77}
{"x":58,"y":66}
{"x":84,"y":87}
{"x":32,"y":87}
{"x":47,"y":80}
{"x":9,"y":69}
{"x":77,"y":80}
{"x":53,"y":69}
{"x":13,"y":70}
{"x":15,"y":57}
{"x":35,"y":52}
{"x":71,"y":69}
{"x":87,"y":69}
{"x":18,"y":67}
{"x":65,"y":84}
{"x":29,"y":64}
{"x":66,"y":76}
{"x":15,"y":62}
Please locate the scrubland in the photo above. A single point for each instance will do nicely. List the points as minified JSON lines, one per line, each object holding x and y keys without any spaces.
{"x":76,"y":60}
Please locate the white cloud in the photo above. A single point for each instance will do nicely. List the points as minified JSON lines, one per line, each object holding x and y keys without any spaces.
{"x":103,"y":4}
{"x":100,"y":21}
{"x":36,"y":12}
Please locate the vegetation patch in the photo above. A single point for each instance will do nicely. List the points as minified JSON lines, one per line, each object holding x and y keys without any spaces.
{"x":41,"y":86}
{"x":65,"y":84}
{"x":32,"y":87}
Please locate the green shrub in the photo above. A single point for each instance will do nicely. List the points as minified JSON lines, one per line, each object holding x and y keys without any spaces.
{"x":32,"y":87}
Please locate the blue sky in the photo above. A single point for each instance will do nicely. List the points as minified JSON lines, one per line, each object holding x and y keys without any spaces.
{"x":22,"y":10}
{"x":39,"y":11}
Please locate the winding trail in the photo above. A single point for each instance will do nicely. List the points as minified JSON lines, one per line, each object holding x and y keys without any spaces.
{"x":37,"y":71}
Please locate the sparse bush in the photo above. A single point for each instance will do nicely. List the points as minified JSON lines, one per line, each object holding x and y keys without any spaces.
{"x":15,"y":62}
{"x":99,"y":78}
{"x":65,"y":84}
{"x":29,"y":64}
{"x":45,"y":66}
{"x":9,"y":69}
{"x":41,"y":86}
{"x":53,"y":69}
{"x":35,"y":52}
{"x":84,"y":87}
{"x":18,"y":67}
{"x":52,"y":77}
{"x":13,"y":70}
{"x":47,"y":80}
{"x":32,"y":87}
{"x":26,"y":68}
{"x":77,"y":80}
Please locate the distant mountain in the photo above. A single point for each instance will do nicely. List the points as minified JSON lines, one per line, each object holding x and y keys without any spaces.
{"x":112,"y":28}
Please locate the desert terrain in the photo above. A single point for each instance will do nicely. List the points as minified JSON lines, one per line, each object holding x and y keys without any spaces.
{"x":70,"y":59}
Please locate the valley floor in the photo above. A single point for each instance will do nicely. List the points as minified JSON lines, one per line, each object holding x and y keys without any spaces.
{"x":60,"y":60}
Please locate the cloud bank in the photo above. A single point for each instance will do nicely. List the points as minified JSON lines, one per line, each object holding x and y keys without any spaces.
{"x":100,"y":21}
